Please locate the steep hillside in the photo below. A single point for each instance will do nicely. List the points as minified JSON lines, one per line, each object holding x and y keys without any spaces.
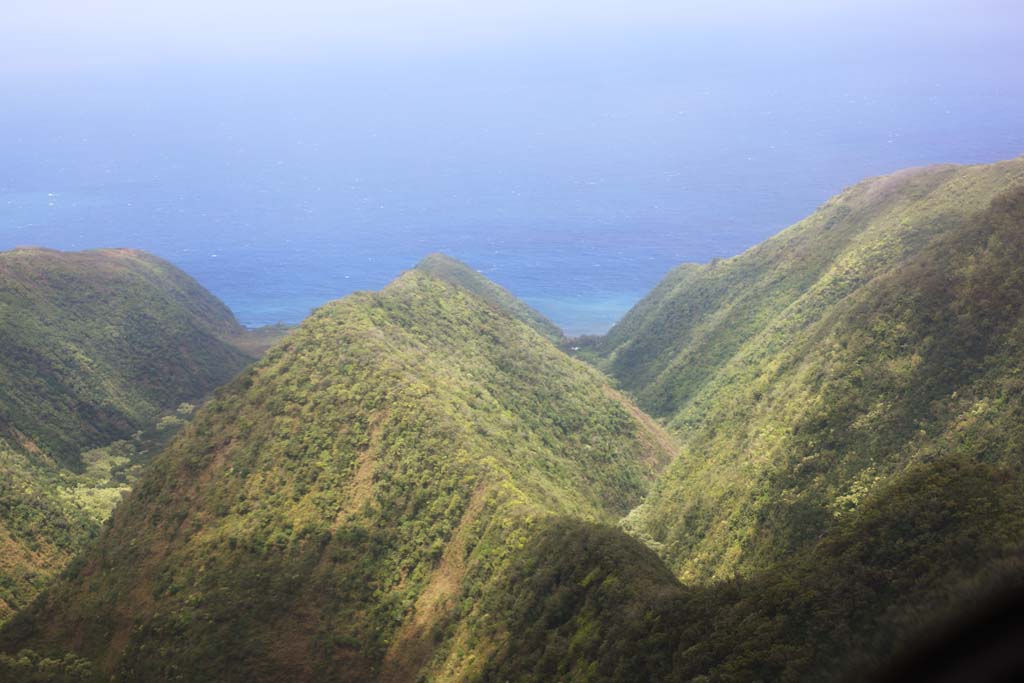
{"x":586,"y":603}
{"x":341,"y":507}
{"x":39,"y":530}
{"x":95,"y":348}
{"x":884,"y":330}
{"x":850,"y":404}
{"x":98,"y":343}
{"x":461,"y":275}
{"x":417,"y":485}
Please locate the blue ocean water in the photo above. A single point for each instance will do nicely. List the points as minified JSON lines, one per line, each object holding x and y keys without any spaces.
{"x":577,"y":189}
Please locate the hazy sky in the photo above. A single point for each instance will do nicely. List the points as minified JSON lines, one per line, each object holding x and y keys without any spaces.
{"x":47,"y":35}
{"x":288,"y":152}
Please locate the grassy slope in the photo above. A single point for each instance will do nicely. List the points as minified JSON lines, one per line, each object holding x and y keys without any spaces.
{"x":341,"y":506}
{"x":884,"y":330}
{"x":95,"y":346}
{"x":98,"y":343}
{"x":461,"y":275}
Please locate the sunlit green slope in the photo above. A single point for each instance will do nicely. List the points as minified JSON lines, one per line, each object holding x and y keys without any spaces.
{"x":338,"y":511}
{"x":94,"y":347}
{"x":850,"y":400}
{"x":461,"y":275}
{"x":882,"y":331}
{"x":96,"y":344}
{"x":417,"y":486}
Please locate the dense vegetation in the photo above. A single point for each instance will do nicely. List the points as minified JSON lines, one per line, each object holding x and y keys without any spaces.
{"x":48,"y":513}
{"x":99,"y":351}
{"x":39,"y":531}
{"x":417,"y":485}
{"x":884,"y":330}
{"x":850,"y":405}
{"x":588,"y":603}
{"x":332,"y":509}
{"x":459,"y":274}
{"x":97,"y":344}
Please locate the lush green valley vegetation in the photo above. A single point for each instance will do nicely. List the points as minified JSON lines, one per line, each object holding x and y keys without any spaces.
{"x":39,"y":530}
{"x":340,"y":507}
{"x":48,"y":512}
{"x":97,"y":344}
{"x":884,"y":330}
{"x":418,"y":485}
{"x":100,"y":352}
{"x":588,"y":603}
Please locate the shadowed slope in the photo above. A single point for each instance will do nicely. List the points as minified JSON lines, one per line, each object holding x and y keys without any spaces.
{"x":333,"y":510}
{"x":584,"y":602}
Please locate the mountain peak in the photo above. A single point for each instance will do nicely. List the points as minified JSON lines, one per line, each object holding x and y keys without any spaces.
{"x":461,"y":275}
{"x":381,"y":462}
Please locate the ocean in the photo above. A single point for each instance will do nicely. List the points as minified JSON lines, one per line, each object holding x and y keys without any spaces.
{"x":282,"y":188}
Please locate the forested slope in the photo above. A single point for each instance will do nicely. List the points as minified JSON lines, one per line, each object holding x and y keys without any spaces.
{"x":98,"y":343}
{"x":417,"y":485}
{"x":850,"y":403}
{"x":461,"y":275}
{"x":884,"y":330}
{"x":95,"y":347}
{"x":339,"y":509}
{"x":584,"y":602}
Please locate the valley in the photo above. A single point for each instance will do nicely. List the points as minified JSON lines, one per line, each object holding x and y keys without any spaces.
{"x":791,"y":464}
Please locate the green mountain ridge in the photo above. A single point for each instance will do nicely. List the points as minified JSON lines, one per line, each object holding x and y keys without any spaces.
{"x":336,"y":508}
{"x":98,"y":343}
{"x":883,"y":330}
{"x":848,"y":400}
{"x":418,"y":485}
{"x":97,"y":346}
{"x":461,"y":275}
